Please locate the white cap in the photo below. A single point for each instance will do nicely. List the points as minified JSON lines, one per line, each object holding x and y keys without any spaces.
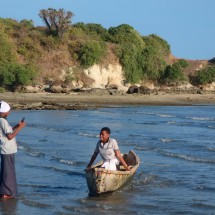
{"x":4,"y":107}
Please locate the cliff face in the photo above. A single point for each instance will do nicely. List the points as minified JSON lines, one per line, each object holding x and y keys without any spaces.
{"x":112,"y":74}
{"x":106,"y":76}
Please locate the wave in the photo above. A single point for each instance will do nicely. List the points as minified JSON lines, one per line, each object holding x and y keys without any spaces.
{"x":124,"y":143}
{"x":31,"y":152}
{"x":69,"y":162}
{"x":135,"y":135}
{"x":47,"y":128}
{"x":205,"y":188}
{"x":143,"y":179}
{"x":88,"y":135}
{"x":138,"y":148}
{"x":162,"y":115}
{"x":203,"y":206}
{"x":167,"y":140}
{"x":171,"y":122}
{"x":48,"y":187}
{"x":146,"y":123}
{"x":69,"y":172}
{"x":200,"y":118}
{"x":32,"y":203}
{"x":74,"y":115}
{"x":186,"y":157}
{"x":211,"y":149}
{"x":34,"y":153}
{"x":179,"y":124}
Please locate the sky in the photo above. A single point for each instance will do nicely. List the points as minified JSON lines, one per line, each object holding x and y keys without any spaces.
{"x":187,"y":25}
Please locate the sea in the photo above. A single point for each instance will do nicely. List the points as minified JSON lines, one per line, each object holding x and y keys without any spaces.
{"x":175,"y":144}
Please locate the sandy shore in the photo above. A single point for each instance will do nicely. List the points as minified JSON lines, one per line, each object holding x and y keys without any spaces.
{"x":89,"y":101}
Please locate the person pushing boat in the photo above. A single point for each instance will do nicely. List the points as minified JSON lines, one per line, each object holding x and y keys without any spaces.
{"x":108,"y":148}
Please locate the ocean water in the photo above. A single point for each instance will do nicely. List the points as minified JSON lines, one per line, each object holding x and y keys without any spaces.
{"x":176,"y":146}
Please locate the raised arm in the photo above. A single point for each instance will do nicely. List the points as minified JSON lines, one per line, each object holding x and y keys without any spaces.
{"x":16,"y":130}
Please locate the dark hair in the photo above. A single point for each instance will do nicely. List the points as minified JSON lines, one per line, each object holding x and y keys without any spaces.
{"x":106,"y":129}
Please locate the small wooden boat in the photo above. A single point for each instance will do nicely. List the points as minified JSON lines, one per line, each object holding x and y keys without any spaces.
{"x":102,"y":181}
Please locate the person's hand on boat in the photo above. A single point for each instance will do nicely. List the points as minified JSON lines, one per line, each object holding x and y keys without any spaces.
{"x":128,"y":168}
{"x":88,"y":166}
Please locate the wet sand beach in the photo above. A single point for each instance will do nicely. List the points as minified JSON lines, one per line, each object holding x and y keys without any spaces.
{"x":86,"y":101}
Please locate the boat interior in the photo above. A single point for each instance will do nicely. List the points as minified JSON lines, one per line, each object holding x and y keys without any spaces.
{"x":130,"y":159}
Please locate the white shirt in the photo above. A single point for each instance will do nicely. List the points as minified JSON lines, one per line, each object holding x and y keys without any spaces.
{"x":7,"y":146}
{"x":107,"y":152}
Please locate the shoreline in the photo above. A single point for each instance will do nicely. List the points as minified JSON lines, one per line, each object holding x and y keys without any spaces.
{"x":54,"y":101}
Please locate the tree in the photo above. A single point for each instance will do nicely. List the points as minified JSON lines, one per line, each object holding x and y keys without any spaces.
{"x":129,"y":50}
{"x":175,"y":72}
{"x":57,"y":21}
{"x":154,"y":57}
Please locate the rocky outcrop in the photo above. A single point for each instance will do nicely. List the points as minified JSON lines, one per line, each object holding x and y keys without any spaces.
{"x":183,"y":88}
{"x":106,"y":76}
{"x":140,"y":90}
{"x":50,"y":106}
{"x":209,"y":87}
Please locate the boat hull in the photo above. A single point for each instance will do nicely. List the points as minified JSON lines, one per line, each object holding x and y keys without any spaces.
{"x":101,"y":181}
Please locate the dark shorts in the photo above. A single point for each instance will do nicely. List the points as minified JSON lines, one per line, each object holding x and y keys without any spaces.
{"x":8,"y":185}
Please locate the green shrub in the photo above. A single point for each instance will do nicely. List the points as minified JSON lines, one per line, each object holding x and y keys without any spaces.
{"x":131,"y":59}
{"x":14,"y":75}
{"x":125,"y":34}
{"x":212,"y":61}
{"x":129,"y":51}
{"x":90,"y":53}
{"x":207,"y":75}
{"x":27,"y":23}
{"x":175,"y":72}
{"x":141,"y":57}
{"x":161,"y":44}
{"x":7,"y":53}
{"x":10,"y":26}
{"x":183,"y":63}
{"x":76,"y":33}
{"x":154,"y":57}
{"x":93,"y":30}
{"x":29,"y":49}
{"x":2,"y":89}
{"x":49,"y":42}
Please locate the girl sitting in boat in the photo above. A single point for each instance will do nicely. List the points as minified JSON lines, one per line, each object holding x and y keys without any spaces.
{"x":109,"y":151}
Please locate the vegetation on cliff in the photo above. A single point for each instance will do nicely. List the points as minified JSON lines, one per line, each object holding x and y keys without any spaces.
{"x":35,"y":54}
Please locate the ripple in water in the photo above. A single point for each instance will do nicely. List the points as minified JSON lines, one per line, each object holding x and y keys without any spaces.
{"x":186,"y":157}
